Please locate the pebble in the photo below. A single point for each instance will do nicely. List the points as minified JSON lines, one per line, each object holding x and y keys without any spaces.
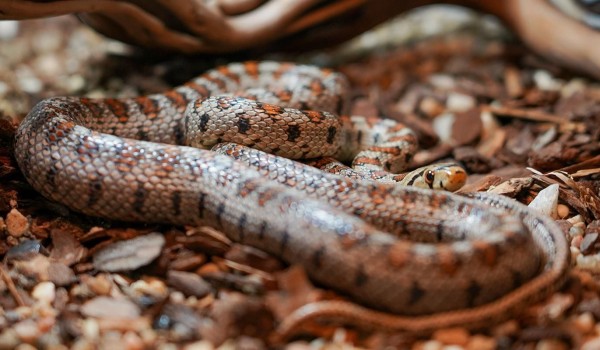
{"x":48,"y":65}
{"x":452,"y":336}
{"x":9,"y":338}
{"x":16,"y":224}
{"x":592,"y":344}
{"x":575,"y":219}
{"x":481,"y":342}
{"x":546,"y":201}
{"x":506,"y":329}
{"x":457,"y":102}
{"x":30,"y":84}
{"x":3,"y":87}
{"x":589,"y":262}
{"x":428,"y":345}
{"x":44,"y":292}
{"x":83,"y":344}
{"x":576,"y":241}
{"x":588,"y":242}
{"x":576,"y":231}
{"x":153,"y":287}
{"x":575,"y":253}
{"x":585,"y":322}
{"x":551,"y":344}
{"x":132,"y":341}
{"x":27,"y":330}
{"x":107,"y":307}
{"x":431,"y":106}
{"x":573,"y":86}
{"x":199,"y":345}
{"x":545,"y":81}
{"x":25,"y":347}
{"x":8,"y":29}
{"x":562,"y":211}
{"x":90,"y":329}
{"x":442,"y":81}
{"x":442,"y":125}
{"x":453,"y":347}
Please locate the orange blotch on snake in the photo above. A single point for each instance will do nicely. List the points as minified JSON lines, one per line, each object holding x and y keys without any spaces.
{"x":272,"y":109}
{"x":488,"y":253}
{"x":400,"y":254}
{"x":447,"y":259}
{"x":314,"y":116}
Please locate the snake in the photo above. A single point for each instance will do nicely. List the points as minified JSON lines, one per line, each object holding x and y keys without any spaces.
{"x":408,"y":258}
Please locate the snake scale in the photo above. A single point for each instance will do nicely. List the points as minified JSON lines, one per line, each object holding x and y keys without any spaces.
{"x":432,"y":258}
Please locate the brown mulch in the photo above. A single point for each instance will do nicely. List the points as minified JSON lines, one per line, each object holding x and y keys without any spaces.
{"x":516,"y":122}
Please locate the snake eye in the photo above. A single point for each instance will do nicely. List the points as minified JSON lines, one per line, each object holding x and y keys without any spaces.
{"x":429,"y":176}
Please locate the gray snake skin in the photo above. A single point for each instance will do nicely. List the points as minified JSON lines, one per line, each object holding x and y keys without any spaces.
{"x":433,"y":258}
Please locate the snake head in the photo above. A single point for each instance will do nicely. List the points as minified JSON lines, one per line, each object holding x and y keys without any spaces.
{"x":440,"y":176}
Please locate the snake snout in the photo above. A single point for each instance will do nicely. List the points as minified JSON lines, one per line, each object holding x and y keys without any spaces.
{"x":452,"y":177}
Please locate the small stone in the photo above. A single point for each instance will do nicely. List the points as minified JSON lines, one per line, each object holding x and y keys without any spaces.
{"x":429,"y":345}
{"x":589,"y":262}
{"x":300,"y":345}
{"x":562,"y":211}
{"x":453,"y":347}
{"x":8,"y":29}
{"x":572,"y":87}
{"x":132,"y":341}
{"x":551,"y":344}
{"x":106,"y":307}
{"x":575,"y":253}
{"x":9,"y":339}
{"x":506,"y":329}
{"x":454,"y":336}
{"x":481,"y":342}
{"x":546,"y":201}
{"x":90,"y":329}
{"x":557,"y":306}
{"x":576,"y":241}
{"x":591,"y":344}
{"x":44,"y":292}
{"x":27,"y":330}
{"x":585,"y":322}
{"x":152,"y":287}
{"x":25,"y":347}
{"x":442,"y":81}
{"x":457,"y":102}
{"x":60,"y":274}
{"x":189,"y":283}
{"x":30,"y":84}
{"x":16,"y":224}
{"x":430,"y":106}
{"x":575,"y":219}
{"x":199,"y":345}
{"x":589,"y":242}
{"x":442,"y":125}
{"x":576,"y":231}
{"x":593,"y":227}
{"x":545,"y":81}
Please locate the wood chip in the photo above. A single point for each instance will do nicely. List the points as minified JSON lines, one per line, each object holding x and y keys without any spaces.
{"x":189,"y":283}
{"x":130,"y":254}
{"x":16,"y":223}
{"x":107,"y":307}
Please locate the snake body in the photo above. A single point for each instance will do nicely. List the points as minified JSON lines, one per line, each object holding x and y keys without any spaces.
{"x":434,"y":258}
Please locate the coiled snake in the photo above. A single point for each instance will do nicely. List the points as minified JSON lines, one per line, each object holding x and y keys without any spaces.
{"x":433,"y":258}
